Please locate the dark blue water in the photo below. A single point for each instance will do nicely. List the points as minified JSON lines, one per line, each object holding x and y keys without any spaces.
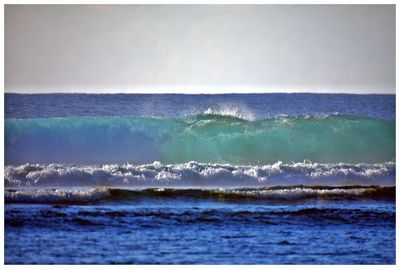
{"x":170,"y":231}
{"x":23,"y":106}
{"x":224,"y":173}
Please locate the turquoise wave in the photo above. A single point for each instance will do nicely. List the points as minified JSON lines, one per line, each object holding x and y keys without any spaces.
{"x":206,"y":138}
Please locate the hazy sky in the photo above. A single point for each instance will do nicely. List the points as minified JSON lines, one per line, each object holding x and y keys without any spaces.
{"x":200,"y":48}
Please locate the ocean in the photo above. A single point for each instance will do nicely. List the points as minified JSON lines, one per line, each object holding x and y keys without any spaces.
{"x":199,"y":179}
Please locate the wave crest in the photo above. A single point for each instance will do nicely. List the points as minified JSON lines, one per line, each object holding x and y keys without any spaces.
{"x":231,"y":111}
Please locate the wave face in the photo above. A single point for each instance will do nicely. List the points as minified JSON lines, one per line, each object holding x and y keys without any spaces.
{"x":207,"y":138}
{"x":197,"y":175}
{"x":277,"y":194}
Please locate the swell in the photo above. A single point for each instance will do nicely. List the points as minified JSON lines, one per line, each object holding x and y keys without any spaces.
{"x":209,"y":138}
{"x":59,"y":217}
{"x":197,"y":175}
{"x":274,"y":194}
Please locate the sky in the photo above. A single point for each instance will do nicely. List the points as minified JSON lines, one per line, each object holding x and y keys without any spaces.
{"x":200,"y":48}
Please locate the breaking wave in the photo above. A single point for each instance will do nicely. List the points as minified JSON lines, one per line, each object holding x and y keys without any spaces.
{"x":197,"y":175}
{"x":209,"y":137}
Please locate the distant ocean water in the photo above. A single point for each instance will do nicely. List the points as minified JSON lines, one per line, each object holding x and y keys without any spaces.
{"x":237,"y":178}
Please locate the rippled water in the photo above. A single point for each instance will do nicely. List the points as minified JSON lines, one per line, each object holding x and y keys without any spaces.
{"x":170,"y":230}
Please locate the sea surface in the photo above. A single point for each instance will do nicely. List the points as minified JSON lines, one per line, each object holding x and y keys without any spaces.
{"x":199,"y":179}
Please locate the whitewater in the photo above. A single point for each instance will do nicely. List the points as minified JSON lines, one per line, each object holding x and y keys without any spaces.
{"x":198,"y":175}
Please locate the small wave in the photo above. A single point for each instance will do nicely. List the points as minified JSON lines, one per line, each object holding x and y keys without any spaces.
{"x":276,"y":194}
{"x":66,"y":196}
{"x":200,"y":175}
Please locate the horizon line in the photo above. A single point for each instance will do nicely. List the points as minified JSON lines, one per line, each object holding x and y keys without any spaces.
{"x":200,"y":93}
{"x":201,"y":89}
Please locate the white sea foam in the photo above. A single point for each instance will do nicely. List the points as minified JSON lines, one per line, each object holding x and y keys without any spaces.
{"x":298,"y":193}
{"x":193,"y":174}
{"x":232,"y":111}
{"x":56,"y":195}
